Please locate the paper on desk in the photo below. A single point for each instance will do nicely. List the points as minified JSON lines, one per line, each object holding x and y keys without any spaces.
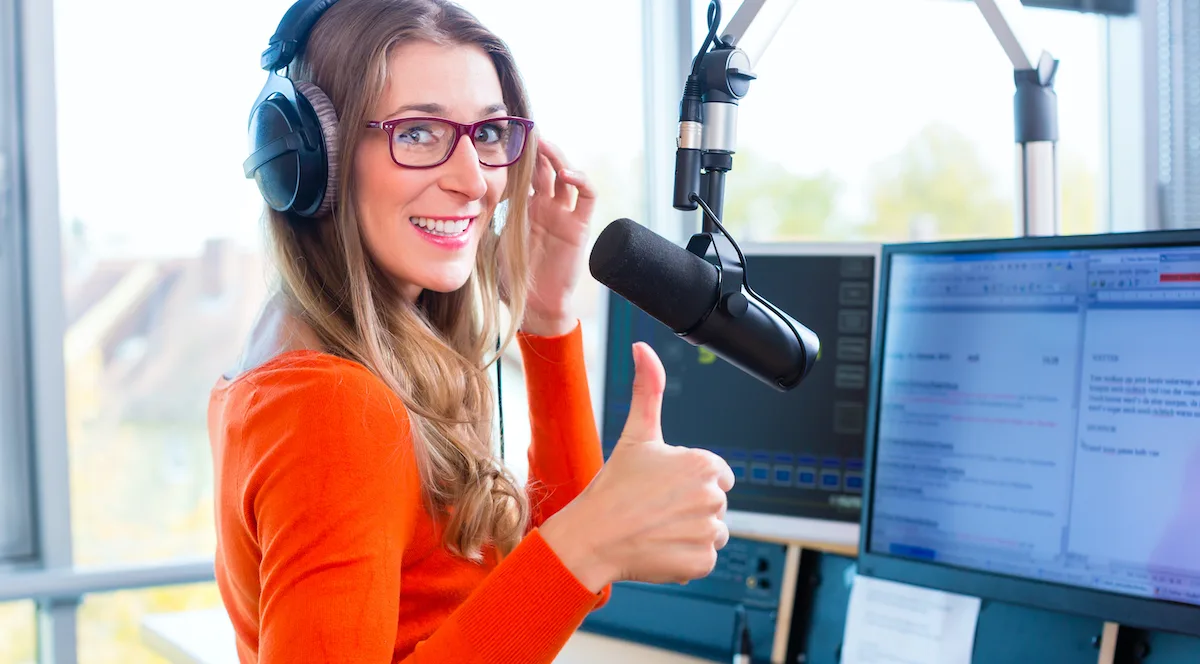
{"x":895,"y":623}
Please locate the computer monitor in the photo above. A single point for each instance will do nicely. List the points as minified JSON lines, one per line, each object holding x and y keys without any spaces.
{"x":797,"y":455}
{"x":1035,"y":424}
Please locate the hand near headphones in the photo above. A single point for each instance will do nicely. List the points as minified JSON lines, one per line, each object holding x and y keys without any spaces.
{"x":560,"y":212}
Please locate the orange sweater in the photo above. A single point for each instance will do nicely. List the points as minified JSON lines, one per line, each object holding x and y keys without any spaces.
{"x":325,"y":550}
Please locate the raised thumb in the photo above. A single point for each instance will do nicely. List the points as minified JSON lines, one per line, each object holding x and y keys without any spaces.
{"x":645,"y":408}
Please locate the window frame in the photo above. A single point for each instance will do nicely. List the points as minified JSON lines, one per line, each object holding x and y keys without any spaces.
{"x":16,"y":466}
{"x":43,"y":312}
{"x":1131,"y":167}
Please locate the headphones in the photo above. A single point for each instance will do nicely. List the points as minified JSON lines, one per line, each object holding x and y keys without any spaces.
{"x":293,"y":126}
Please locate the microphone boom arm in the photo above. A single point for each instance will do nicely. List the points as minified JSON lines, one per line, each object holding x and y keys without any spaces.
{"x":753,"y":26}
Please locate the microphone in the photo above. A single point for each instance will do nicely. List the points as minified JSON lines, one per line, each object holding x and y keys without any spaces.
{"x":703,"y":304}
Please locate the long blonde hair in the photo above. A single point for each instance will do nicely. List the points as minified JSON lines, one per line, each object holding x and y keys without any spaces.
{"x":433,"y":354}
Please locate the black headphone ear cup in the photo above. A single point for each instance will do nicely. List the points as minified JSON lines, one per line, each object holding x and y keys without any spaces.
{"x":326,"y":118}
{"x":287,"y":154}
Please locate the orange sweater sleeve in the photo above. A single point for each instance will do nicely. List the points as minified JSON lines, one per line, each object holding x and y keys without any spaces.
{"x":564,"y":453}
{"x":332,"y":498}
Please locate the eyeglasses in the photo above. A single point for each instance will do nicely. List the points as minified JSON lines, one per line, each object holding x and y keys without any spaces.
{"x":429,"y":142}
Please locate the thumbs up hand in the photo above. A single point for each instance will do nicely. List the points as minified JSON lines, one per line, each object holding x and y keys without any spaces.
{"x":655,"y":511}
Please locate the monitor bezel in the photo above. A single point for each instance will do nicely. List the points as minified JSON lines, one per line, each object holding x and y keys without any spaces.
{"x":1103,"y":605}
{"x":840,"y":537}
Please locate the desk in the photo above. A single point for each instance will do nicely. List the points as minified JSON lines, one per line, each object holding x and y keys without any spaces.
{"x":206,"y":637}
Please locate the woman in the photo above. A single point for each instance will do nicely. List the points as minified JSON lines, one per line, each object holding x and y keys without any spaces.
{"x":361,"y":514}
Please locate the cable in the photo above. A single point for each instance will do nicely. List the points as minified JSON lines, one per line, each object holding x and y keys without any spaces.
{"x":717,"y":222}
{"x":500,"y":398}
{"x":713,"y":26}
{"x":693,"y":91}
{"x":742,"y":258}
{"x":714,"y":22}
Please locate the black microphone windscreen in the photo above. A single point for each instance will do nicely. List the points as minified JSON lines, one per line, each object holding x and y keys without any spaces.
{"x":666,"y":281}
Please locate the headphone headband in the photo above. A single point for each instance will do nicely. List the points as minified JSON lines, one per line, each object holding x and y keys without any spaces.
{"x":292,"y":33}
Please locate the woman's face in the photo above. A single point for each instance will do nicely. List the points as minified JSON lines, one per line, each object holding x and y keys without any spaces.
{"x":423,"y":226}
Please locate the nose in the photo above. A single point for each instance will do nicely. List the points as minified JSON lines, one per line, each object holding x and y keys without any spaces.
{"x":462,"y":173}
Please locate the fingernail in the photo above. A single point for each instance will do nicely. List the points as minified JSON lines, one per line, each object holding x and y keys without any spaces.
{"x":570,"y":174}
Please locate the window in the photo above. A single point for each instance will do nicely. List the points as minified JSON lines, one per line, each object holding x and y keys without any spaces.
{"x":112,"y":628}
{"x":596,"y":118}
{"x":889,"y":121}
{"x":162,"y":268}
{"x":20,"y":637}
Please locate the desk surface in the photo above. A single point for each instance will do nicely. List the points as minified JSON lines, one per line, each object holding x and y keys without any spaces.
{"x":206,"y":637}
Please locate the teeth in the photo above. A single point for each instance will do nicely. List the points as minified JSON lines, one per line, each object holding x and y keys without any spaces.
{"x":441,"y":227}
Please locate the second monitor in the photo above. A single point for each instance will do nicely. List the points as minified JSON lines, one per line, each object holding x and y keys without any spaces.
{"x":1036,"y":436}
{"x":797,"y":456}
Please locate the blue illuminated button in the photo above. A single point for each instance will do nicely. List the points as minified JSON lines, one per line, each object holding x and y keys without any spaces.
{"x":783,"y":475}
{"x":760,"y":473}
{"x":831,"y":480}
{"x":854,"y":482}
{"x":739,"y":470}
{"x":806,"y":478}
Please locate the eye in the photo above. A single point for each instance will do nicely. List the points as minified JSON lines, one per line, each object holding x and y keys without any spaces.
{"x":491,"y":132}
{"x":415,"y":135}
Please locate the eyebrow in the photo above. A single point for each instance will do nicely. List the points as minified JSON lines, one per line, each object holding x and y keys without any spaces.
{"x":438,"y":109}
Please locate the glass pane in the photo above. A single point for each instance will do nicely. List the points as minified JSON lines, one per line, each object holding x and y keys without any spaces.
{"x":19,"y":629}
{"x":550,"y":61}
{"x":886,"y":120}
{"x":163,"y":269}
{"x":113,"y":628}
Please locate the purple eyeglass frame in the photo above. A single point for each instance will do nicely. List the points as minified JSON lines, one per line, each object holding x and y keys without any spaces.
{"x":389,"y":126}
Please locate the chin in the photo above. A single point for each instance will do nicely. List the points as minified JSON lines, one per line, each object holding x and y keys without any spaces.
{"x":446,"y":283}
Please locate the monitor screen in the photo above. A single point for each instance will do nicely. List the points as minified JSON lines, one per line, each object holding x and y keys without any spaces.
{"x":797,"y":455}
{"x":1036,"y":414}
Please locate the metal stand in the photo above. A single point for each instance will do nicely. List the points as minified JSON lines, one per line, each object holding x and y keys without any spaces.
{"x":708,"y":122}
{"x":1035,"y":110}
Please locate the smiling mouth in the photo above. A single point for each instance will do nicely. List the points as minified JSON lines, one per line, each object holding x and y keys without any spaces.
{"x":442,"y":228}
